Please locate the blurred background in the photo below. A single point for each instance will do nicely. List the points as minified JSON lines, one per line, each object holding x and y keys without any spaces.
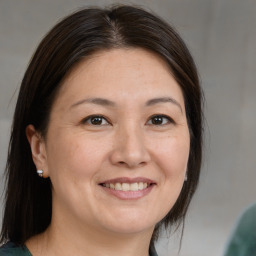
{"x":221,"y":35}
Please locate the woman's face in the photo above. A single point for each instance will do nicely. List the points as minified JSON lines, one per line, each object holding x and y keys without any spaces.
{"x":117,"y":144}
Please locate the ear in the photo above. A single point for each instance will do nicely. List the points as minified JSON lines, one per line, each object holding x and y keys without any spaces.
{"x":38,"y":149}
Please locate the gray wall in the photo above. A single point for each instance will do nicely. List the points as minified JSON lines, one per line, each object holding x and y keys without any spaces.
{"x":222,"y":37}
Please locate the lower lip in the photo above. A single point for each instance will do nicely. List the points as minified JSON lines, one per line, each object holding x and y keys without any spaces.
{"x":129,"y":195}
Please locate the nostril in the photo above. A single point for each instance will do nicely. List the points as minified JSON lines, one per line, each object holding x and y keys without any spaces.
{"x":130,"y":164}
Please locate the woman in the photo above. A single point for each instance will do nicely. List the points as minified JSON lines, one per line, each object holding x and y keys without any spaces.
{"x":106,"y":139}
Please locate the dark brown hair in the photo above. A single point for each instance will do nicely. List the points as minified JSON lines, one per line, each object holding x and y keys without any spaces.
{"x":28,"y":198}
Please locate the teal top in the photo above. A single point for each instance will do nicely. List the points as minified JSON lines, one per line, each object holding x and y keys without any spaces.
{"x":10,"y":249}
{"x":243,"y":239}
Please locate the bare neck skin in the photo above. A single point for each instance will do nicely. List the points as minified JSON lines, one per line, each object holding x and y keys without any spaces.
{"x":65,"y":238}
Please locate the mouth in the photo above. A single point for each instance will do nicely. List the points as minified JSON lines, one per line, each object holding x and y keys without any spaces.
{"x":127,"y":188}
{"x":136,"y":186}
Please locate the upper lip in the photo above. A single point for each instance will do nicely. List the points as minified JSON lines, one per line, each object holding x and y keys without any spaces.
{"x":128,"y":180}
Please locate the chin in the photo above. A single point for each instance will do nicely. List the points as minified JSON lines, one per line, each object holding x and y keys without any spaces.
{"x":128,"y":229}
{"x":131,"y":223}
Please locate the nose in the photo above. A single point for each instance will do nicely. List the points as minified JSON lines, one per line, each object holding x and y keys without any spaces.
{"x":129,"y":148}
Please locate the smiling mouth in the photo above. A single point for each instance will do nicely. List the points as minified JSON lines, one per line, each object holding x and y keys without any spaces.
{"x":136,"y":186}
{"x":126,"y":188}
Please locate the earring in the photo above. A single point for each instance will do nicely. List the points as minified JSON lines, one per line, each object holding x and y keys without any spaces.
{"x":40,"y":173}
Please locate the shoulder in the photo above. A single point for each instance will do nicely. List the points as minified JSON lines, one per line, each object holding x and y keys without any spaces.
{"x":247,"y":222}
{"x":10,"y":249}
{"x":242,"y":241}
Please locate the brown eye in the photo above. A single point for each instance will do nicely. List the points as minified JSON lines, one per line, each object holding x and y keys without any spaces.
{"x":95,"y":120}
{"x":159,"y":120}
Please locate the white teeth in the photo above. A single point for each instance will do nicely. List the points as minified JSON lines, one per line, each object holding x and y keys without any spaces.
{"x":127,"y":186}
{"x":134,"y":187}
{"x":118,"y":186}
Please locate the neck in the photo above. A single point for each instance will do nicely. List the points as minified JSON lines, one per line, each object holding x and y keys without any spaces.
{"x":67,"y":238}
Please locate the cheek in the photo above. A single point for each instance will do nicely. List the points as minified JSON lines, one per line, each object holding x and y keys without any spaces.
{"x":74,"y":155}
{"x":172,"y":155}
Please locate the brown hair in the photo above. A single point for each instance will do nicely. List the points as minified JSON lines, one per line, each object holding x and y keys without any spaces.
{"x":28,"y":198}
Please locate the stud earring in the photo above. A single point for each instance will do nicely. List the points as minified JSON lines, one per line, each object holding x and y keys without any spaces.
{"x":40,"y":173}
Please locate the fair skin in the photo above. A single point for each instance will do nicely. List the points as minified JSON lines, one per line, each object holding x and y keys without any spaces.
{"x":116,"y":152}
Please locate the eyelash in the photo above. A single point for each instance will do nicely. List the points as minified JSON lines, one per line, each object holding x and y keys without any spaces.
{"x":88,"y":120}
{"x":169,"y":119}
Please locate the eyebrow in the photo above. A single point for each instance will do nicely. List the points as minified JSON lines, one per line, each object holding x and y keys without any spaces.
{"x":97,"y":101}
{"x":164,"y":100}
{"x":106,"y":102}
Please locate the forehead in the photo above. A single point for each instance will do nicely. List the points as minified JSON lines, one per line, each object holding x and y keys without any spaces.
{"x":119,"y":72}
